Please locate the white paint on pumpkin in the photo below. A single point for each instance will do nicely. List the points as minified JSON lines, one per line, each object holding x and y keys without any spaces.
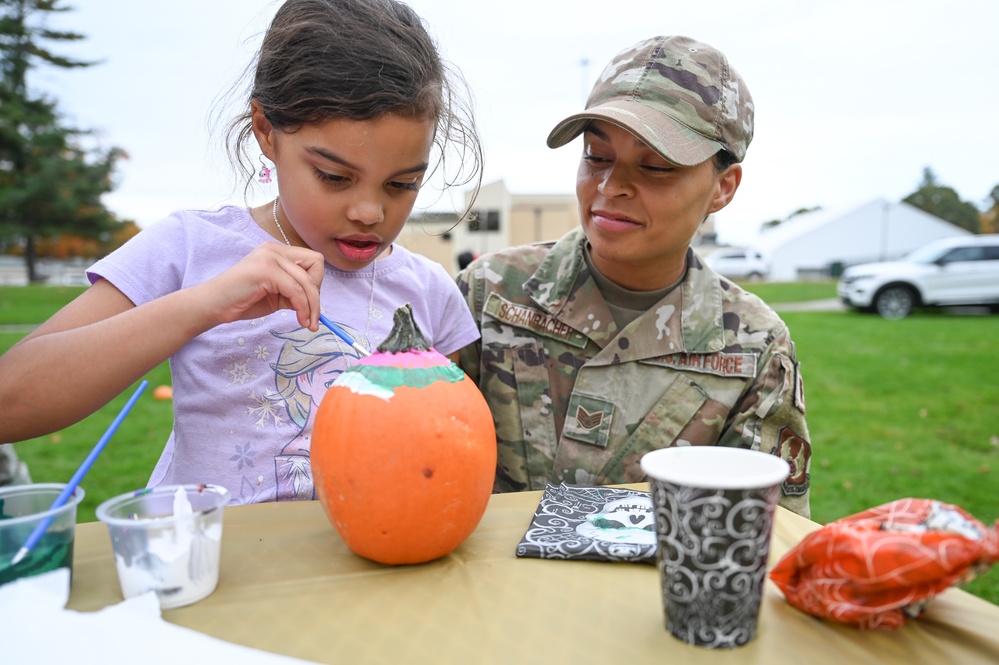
{"x":358,"y":383}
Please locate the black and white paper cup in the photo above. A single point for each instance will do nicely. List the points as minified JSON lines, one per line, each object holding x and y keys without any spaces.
{"x":714,"y":509}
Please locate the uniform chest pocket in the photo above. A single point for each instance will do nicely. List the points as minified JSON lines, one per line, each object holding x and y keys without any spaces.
{"x":672,"y":414}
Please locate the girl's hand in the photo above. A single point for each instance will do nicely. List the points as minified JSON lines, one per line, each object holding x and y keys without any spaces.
{"x":270,"y":278}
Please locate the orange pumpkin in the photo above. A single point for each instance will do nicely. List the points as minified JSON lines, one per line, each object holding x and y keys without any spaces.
{"x":404,"y":451}
{"x":163,"y":392}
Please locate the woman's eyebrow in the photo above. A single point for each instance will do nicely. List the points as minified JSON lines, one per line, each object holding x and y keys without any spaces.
{"x":590,"y":129}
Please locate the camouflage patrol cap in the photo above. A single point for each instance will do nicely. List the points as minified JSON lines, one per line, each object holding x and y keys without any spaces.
{"x":680,"y":96}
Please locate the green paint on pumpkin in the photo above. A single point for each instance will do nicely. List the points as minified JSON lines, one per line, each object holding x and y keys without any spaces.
{"x":414,"y":377}
{"x":406,"y":337}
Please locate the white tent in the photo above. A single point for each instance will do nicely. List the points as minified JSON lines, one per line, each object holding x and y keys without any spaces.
{"x":813,"y":244}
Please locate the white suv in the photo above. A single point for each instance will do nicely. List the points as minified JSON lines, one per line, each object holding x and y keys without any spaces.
{"x":952,"y":271}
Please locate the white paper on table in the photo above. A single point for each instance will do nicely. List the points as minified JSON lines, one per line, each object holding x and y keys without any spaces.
{"x":36,"y":628}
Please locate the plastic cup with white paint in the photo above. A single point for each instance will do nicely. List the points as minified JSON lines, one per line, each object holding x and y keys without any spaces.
{"x":168,"y":540}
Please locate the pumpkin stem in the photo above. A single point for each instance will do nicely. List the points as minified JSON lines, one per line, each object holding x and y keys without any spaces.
{"x":405,"y":335}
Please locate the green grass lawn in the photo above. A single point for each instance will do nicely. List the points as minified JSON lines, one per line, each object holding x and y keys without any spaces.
{"x":895,"y":409}
{"x":33,"y":304}
{"x":902,"y":409}
{"x":781,"y":292}
{"x":129,"y":457}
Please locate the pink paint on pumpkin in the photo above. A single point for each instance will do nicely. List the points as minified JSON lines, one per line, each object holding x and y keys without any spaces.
{"x":406,"y":359}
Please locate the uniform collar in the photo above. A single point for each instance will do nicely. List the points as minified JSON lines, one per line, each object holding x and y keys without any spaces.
{"x":701,"y":313}
{"x":563,"y":286}
{"x":558,"y":274}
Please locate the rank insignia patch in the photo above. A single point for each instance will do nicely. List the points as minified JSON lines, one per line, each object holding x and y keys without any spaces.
{"x":588,"y":419}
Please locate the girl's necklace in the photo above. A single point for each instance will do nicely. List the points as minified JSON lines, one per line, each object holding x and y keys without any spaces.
{"x":277,"y":223}
{"x":371,"y":301}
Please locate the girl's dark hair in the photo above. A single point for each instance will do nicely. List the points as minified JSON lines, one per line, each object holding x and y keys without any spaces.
{"x":356,"y":60}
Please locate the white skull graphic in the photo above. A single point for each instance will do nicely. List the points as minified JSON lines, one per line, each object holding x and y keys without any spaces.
{"x":629,"y":520}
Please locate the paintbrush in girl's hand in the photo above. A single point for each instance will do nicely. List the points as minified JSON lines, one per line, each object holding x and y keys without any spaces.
{"x":342,"y":334}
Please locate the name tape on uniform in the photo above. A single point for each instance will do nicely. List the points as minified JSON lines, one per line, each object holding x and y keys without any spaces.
{"x":720,"y":364}
{"x":532,"y":319}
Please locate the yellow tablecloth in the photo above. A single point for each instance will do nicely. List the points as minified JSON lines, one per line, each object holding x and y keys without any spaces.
{"x":289,"y":585}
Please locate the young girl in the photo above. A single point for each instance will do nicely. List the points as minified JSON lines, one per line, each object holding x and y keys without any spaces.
{"x":348,"y":101}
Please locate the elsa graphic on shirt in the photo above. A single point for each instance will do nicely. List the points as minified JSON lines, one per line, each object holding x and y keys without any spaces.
{"x":307,"y":364}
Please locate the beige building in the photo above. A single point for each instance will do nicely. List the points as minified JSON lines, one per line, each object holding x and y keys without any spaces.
{"x":498,"y":219}
{"x":501,"y":219}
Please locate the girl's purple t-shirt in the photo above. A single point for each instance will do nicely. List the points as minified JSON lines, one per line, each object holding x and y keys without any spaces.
{"x":246,"y":393}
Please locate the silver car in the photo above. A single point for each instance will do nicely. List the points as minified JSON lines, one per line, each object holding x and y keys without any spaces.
{"x":738,"y":263}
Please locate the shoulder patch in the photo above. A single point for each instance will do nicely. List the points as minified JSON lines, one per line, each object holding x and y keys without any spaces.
{"x":535,"y":320}
{"x":797,"y":452}
{"x":719,"y":364}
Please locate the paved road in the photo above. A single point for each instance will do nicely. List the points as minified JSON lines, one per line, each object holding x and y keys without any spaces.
{"x":834,"y":305}
{"x":829,"y":305}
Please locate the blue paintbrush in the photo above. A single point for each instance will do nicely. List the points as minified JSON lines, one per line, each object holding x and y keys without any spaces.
{"x":71,"y":486}
{"x":342,"y":334}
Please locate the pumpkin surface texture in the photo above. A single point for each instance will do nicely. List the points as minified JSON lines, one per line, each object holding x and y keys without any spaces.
{"x":404,"y":451}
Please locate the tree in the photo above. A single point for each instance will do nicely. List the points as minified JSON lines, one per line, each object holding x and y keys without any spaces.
{"x":774,"y":223}
{"x":944,"y":202}
{"x":990,"y":218}
{"x":49,"y":183}
{"x":67,"y":246}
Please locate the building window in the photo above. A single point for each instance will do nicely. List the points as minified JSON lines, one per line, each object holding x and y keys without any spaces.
{"x":484,"y":221}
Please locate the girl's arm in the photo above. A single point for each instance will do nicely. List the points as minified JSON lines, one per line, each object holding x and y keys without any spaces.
{"x":99,"y":344}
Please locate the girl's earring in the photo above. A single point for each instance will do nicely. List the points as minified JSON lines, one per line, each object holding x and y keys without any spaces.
{"x":264,"y":175}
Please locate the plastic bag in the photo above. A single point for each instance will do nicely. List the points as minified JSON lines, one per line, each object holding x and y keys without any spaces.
{"x":880,"y":568}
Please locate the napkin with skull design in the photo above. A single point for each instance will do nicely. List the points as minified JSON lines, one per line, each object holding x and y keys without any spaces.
{"x":594,"y":523}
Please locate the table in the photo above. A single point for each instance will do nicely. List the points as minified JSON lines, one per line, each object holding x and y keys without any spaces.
{"x":289,"y":585}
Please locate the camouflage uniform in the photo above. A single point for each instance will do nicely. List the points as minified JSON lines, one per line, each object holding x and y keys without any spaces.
{"x":577,"y":400}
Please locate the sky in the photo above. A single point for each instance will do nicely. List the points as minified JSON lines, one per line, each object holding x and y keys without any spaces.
{"x":854,"y":98}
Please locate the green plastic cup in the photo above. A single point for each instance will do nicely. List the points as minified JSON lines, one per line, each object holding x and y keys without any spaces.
{"x":22,"y":508}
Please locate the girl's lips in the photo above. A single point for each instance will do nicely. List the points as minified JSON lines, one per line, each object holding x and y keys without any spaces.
{"x":611,"y":222}
{"x":358,"y":249}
